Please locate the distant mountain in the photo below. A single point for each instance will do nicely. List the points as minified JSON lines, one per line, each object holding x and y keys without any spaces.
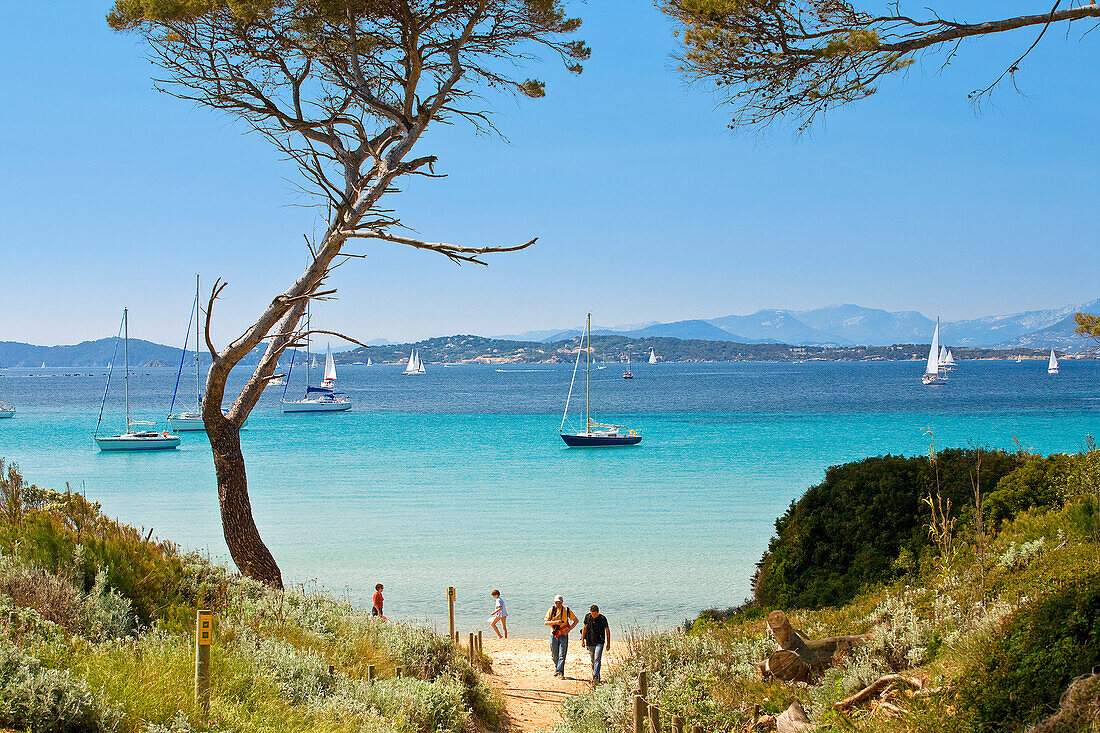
{"x":872,"y":326}
{"x":778,"y":326}
{"x":1010,"y":329}
{"x":99,"y":353}
{"x":694,"y":330}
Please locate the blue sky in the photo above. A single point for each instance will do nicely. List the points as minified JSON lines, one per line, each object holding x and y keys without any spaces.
{"x":646,"y":205}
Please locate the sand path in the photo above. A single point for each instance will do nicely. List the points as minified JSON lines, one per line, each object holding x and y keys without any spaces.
{"x":523,"y":673}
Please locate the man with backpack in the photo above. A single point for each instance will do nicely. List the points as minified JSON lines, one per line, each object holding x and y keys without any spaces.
{"x":561,"y":620}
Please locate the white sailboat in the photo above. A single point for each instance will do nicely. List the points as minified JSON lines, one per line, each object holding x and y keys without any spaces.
{"x":317,"y":399}
{"x":1052,"y":365}
{"x":652,"y":357}
{"x":6,"y":410}
{"x":369,"y":362}
{"x":415,"y":365}
{"x":131,"y":439}
{"x":185,"y":420}
{"x":950,"y":360}
{"x":932,"y":374}
{"x":946,"y":362}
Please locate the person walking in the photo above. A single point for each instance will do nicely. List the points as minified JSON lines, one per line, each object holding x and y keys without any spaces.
{"x":596,"y":635}
{"x":561,"y":620}
{"x":499,"y":615}
{"x":376,"y":602}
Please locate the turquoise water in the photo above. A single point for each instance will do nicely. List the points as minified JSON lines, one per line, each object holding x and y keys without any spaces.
{"x":458,"y":477}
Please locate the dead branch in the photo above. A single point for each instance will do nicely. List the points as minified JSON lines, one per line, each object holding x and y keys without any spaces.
{"x":877,"y":688}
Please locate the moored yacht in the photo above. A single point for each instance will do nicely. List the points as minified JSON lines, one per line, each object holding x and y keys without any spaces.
{"x":595,"y":434}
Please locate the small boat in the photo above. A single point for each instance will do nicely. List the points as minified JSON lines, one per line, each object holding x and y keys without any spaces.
{"x":6,"y":410}
{"x":317,"y":399}
{"x":932,"y":373}
{"x":369,"y":362}
{"x":415,"y":365}
{"x":595,"y":435}
{"x":1019,"y":359}
{"x":628,"y":374}
{"x":1052,"y":365}
{"x":131,"y":440}
{"x":184,"y":420}
{"x":277,"y":381}
{"x":652,"y":357}
{"x":949,"y":361}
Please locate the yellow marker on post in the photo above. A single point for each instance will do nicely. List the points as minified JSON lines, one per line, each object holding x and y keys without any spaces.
{"x":204,"y":635}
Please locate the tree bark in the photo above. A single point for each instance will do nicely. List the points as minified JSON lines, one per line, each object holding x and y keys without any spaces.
{"x":242,"y":537}
{"x":794,"y":720}
{"x":800,"y":658}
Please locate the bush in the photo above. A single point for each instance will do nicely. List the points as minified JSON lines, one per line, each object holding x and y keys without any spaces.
{"x":851,"y":530}
{"x":1042,"y":648}
{"x":1038,"y":482}
{"x":42,"y":700}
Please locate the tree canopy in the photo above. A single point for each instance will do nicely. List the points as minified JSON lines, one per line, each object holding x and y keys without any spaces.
{"x":796,"y":59}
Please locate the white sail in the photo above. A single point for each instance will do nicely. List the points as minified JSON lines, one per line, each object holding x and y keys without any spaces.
{"x":950,"y":358}
{"x":330,"y":367}
{"x":1052,"y":365}
{"x":652,"y":357}
{"x":410,"y":368}
{"x":369,"y":363}
{"x":933,"y":366}
{"x":419,"y":364}
{"x":943,"y":354}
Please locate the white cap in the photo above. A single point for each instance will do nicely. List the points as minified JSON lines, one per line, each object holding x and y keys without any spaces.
{"x":558,"y":598}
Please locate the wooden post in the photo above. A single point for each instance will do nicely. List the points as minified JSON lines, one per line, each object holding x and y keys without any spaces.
{"x":643,"y":683}
{"x":204,"y":632}
{"x":639,"y":714}
{"x":398,"y":671}
{"x":370,"y":673}
{"x":677,"y":724}
{"x":654,"y":719}
{"x":471,"y":650}
{"x":451,"y":604}
{"x":479,"y":642}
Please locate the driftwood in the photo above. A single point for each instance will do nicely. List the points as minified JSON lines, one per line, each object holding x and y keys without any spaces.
{"x":800,"y":658}
{"x":877,"y":688}
{"x":794,"y":720}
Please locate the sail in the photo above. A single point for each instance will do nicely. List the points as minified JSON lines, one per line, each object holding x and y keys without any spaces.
{"x":652,"y":357}
{"x":950,"y":358}
{"x":369,"y":362}
{"x":411,"y":367}
{"x":943,"y":354}
{"x":330,"y":367}
{"x":933,"y":366}
{"x":419,"y":364}
{"x":1052,"y":365}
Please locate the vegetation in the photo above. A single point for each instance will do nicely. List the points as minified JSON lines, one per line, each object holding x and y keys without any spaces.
{"x":995,"y":627}
{"x":797,"y":59}
{"x":103,"y":633}
{"x":465,"y":348}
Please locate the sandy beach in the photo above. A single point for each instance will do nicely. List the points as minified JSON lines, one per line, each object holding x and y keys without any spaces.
{"x":523,"y":673}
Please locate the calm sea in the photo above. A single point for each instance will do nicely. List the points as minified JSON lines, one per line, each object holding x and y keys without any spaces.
{"x":458,"y":477}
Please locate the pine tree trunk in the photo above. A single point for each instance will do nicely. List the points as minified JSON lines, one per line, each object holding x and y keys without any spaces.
{"x":248,"y":551}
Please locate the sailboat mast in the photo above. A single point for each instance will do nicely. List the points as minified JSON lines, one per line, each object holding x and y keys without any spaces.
{"x":198,"y":384}
{"x":588,"y":380}
{"x":126,"y":362}
{"x":307,"y":348}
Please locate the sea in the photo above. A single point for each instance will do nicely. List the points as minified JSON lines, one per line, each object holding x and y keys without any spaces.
{"x":458,"y":477}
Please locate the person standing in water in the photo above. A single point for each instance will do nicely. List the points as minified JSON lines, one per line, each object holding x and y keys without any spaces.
{"x":499,"y":616}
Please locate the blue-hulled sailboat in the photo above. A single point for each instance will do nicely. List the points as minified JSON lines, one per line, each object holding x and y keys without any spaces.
{"x":595,"y":435}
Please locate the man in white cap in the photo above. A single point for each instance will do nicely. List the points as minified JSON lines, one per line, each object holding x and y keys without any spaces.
{"x":561,"y":620}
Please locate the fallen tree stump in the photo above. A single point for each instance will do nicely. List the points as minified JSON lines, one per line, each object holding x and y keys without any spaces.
{"x":876,"y":689}
{"x":800,"y":658}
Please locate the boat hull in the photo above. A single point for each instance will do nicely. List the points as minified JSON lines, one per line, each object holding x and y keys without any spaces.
{"x":583,"y":440}
{"x":132,"y":443}
{"x":6,"y":413}
{"x":189,"y":421}
{"x":316,"y":406}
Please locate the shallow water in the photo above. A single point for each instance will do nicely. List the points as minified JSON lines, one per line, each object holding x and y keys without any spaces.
{"x":458,"y":477}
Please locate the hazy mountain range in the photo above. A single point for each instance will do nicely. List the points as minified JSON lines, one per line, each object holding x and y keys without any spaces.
{"x":852,"y":325}
{"x":836,"y":325}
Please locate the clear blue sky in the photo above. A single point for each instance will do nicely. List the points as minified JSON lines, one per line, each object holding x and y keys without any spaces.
{"x":646,"y":206}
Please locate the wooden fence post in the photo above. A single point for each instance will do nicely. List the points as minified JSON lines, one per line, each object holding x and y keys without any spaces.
{"x":479,"y":643}
{"x":398,"y":671}
{"x":654,"y":719}
{"x":370,"y":673}
{"x":639,"y":714}
{"x":204,"y":632}
{"x":643,"y":683}
{"x":471,"y":649}
{"x":451,"y":606}
{"x":677,"y":724}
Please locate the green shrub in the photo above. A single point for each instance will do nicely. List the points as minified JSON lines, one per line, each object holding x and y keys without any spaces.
{"x":1041,"y":649}
{"x":1038,"y":482}
{"x":43,"y":700}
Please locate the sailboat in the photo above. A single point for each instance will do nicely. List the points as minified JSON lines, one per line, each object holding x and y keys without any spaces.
{"x":369,"y":362}
{"x":932,"y":373}
{"x":946,"y":361}
{"x":628,"y":374}
{"x":949,"y":362}
{"x":317,"y":399}
{"x":595,"y":434}
{"x":131,"y":439}
{"x":1052,"y":365}
{"x":415,"y":365}
{"x":1019,"y":358}
{"x":189,"y":420}
{"x":6,"y":410}
{"x":652,"y":357}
